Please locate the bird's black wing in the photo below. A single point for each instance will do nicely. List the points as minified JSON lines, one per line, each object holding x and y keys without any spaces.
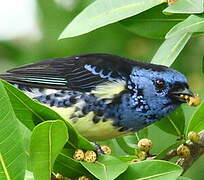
{"x":82,"y":72}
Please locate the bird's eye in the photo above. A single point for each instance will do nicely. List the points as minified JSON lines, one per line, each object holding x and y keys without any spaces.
{"x":160,"y":84}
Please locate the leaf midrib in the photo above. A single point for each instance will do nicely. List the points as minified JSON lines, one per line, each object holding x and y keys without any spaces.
{"x":105,"y":170}
{"x":4,"y":167}
{"x":156,"y":175}
{"x":50,"y":149}
{"x":185,"y":35}
{"x":186,"y":27}
{"x":109,"y":12}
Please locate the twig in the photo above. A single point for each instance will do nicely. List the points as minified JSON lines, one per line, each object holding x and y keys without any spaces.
{"x":196,"y":149}
{"x":170,"y":155}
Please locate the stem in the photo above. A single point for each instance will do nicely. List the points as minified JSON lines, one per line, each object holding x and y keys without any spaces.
{"x":196,"y":149}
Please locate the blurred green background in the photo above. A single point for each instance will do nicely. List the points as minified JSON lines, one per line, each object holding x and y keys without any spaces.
{"x":53,"y":16}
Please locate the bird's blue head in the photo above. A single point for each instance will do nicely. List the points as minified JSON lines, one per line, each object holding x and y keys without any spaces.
{"x":157,"y":90}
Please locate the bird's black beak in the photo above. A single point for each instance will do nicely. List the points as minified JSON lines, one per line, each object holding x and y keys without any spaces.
{"x":181,"y":95}
{"x":185,"y":96}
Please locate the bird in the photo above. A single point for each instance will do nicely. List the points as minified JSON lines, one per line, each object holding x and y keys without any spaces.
{"x":104,"y":96}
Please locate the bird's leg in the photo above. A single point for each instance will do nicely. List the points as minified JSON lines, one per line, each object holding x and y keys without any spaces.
{"x":98,"y":148}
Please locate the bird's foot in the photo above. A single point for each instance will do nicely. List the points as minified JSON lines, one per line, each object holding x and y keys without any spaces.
{"x":98,"y":148}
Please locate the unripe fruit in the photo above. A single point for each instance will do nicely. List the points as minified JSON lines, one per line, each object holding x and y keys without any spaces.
{"x":135,"y":160}
{"x":145,"y":145}
{"x":142,"y":155}
{"x":170,"y":2}
{"x":66,"y":178}
{"x":106,"y":149}
{"x":90,"y":156}
{"x":193,"y":137}
{"x":59,"y":176}
{"x":183,"y":151}
{"x":83,"y":178}
{"x":194,"y":101}
{"x":79,"y":155}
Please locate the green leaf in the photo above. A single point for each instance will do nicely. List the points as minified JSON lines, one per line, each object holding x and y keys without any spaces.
{"x":116,"y":149}
{"x":127,"y":158}
{"x":31,"y":113}
{"x":67,"y":166}
{"x":152,"y":23}
{"x":26,"y":134}
{"x":104,"y":12}
{"x":170,"y":49}
{"x":106,"y":167}
{"x":186,"y":7}
{"x":151,"y":169}
{"x":143,"y":133}
{"x":129,"y":143}
{"x":183,"y":178}
{"x":173,"y":123}
{"x":29,"y":176}
{"x":197,"y":122}
{"x":28,"y":111}
{"x":12,"y":153}
{"x":47,"y":140}
{"x":203,"y":65}
{"x":190,"y":25}
{"x":163,"y":153}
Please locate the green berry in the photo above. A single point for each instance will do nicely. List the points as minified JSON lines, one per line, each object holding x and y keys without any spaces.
{"x":78,"y":155}
{"x":135,"y":160}
{"x":193,"y":137}
{"x":142,"y":155}
{"x":183,"y":151}
{"x":90,"y":156}
{"x":106,"y":149}
{"x":145,"y":145}
{"x":83,"y":178}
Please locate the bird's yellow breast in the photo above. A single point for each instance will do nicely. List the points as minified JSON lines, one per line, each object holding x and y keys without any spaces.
{"x":85,"y":125}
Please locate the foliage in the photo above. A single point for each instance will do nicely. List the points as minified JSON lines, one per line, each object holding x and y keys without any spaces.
{"x":36,"y":123}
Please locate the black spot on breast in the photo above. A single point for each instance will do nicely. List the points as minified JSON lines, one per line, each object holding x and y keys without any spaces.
{"x":60,"y":104}
{"x":72,"y":116}
{"x":52,"y":103}
{"x":47,"y":97}
{"x":116,"y":124}
{"x":152,"y":116}
{"x":80,"y":116}
{"x":105,"y":72}
{"x":58,"y":95}
{"x":66,"y":103}
{"x":63,"y":91}
{"x":114,"y":74}
{"x":99,"y":113}
{"x":27,"y":88}
{"x":144,"y":110}
{"x":96,"y":119}
{"x":97,"y":69}
{"x":41,"y":90}
{"x":122,"y":129}
{"x":77,"y":109}
{"x":84,"y":111}
{"x":104,"y":119}
{"x":138,"y":105}
{"x":140,"y":92}
{"x":73,"y":100}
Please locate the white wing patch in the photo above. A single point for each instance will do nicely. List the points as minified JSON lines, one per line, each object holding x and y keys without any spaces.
{"x":109,"y":90}
{"x":34,"y":92}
